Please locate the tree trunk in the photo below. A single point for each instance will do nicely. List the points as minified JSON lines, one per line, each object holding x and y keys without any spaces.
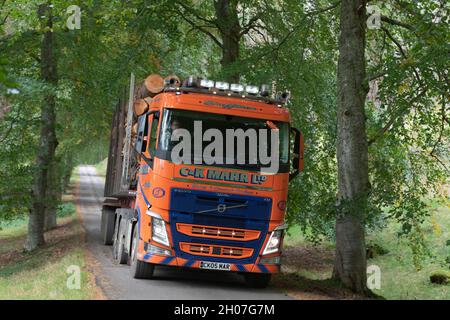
{"x":352,"y":151}
{"x":67,"y":172}
{"x":53,"y":195}
{"x":228,"y":23}
{"x":47,"y":140}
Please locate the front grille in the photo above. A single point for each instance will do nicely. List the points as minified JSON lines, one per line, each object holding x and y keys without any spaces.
{"x":235,"y":235}
{"x":215,"y":250}
{"x":218,"y":232}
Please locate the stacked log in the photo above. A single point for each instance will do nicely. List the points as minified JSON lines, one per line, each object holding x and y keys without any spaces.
{"x":140,"y":107}
{"x":152,"y":85}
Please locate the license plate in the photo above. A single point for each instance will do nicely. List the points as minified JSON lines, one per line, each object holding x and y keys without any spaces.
{"x":215,"y":265}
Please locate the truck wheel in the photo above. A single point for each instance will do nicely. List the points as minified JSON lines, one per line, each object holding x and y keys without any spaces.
{"x":257,"y":280}
{"x":119,"y":254}
{"x":107,"y":226}
{"x":139,"y":269}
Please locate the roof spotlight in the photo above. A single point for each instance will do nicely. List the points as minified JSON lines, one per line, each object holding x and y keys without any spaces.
{"x":253,"y":90}
{"x":283,"y":97}
{"x":205,"y":83}
{"x":236,"y":87}
{"x":264,"y":92}
{"x":191,"y":81}
{"x":222,"y":85}
{"x":172,"y":81}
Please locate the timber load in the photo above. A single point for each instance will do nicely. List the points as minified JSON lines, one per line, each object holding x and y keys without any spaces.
{"x":122,"y":160}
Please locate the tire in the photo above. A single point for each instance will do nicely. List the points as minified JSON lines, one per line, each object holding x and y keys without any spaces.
{"x":119,"y":255}
{"x":139,"y":269}
{"x":257,"y":280}
{"x":107,"y":226}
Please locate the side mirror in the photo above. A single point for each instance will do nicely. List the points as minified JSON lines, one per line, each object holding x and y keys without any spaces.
{"x":141,"y":142}
{"x":297,"y":155}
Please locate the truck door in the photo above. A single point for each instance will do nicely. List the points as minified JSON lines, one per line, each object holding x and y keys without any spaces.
{"x":153,"y":120}
{"x":141,"y":139}
{"x":147,"y":136}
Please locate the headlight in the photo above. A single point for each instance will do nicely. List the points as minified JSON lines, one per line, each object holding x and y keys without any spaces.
{"x":157,"y":250}
{"x":273,"y":245}
{"x":159,"y":232}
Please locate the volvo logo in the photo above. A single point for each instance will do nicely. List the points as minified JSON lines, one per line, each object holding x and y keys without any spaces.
{"x":221,"y":208}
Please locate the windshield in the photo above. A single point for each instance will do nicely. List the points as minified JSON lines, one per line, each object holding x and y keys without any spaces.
{"x":223,"y":140}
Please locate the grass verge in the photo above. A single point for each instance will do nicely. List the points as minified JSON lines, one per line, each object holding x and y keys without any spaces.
{"x":307,"y":269}
{"x":45,"y":272}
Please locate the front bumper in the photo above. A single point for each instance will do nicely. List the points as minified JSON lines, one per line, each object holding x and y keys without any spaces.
{"x":184,"y":263}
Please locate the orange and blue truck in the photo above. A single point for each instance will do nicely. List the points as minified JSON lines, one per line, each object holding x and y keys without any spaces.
{"x":223,"y":216}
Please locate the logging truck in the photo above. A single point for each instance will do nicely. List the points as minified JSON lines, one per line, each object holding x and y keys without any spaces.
{"x":170,"y":200}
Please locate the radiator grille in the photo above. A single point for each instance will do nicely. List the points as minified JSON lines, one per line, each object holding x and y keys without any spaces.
{"x":215,"y":250}
{"x":218,"y":232}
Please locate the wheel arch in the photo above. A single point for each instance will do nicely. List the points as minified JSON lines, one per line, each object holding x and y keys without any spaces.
{"x":129,"y":217}
{"x":134,"y":225}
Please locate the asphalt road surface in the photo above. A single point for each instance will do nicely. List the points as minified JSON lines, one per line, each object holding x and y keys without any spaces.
{"x":169,"y":283}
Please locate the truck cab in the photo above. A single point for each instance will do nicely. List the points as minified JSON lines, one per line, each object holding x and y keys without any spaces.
{"x":189,"y":208}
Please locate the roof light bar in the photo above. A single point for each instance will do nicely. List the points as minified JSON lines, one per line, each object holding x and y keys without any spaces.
{"x":198,"y":84}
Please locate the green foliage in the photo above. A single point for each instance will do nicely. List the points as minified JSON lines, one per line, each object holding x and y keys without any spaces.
{"x":65,"y":210}
{"x":292,"y":45}
{"x":419,"y":249}
{"x":12,"y":226}
{"x":447,"y":261}
{"x":375,"y":249}
{"x":5,"y":81}
{"x":399,"y":277}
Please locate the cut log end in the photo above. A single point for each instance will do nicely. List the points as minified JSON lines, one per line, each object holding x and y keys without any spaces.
{"x":151,"y":86}
{"x":140,"y":107}
{"x":154,"y":83}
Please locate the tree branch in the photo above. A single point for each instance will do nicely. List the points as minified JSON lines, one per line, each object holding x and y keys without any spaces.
{"x":396,"y":23}
{"x":196,"y":26}
{"x":250,"y":24}
{"x":399,"y":46}
{"x":440,"y":136}
{"x":196,"y":14}
{"x":202,"y":30}
{"x":403,"y":53}
{"x":394,"y":118}
{"x":322,"y":10}
{"x":6,"y":16}
{"x":377,"y":75}
{"x":4,"y":19}
{"x":308,"y":14}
